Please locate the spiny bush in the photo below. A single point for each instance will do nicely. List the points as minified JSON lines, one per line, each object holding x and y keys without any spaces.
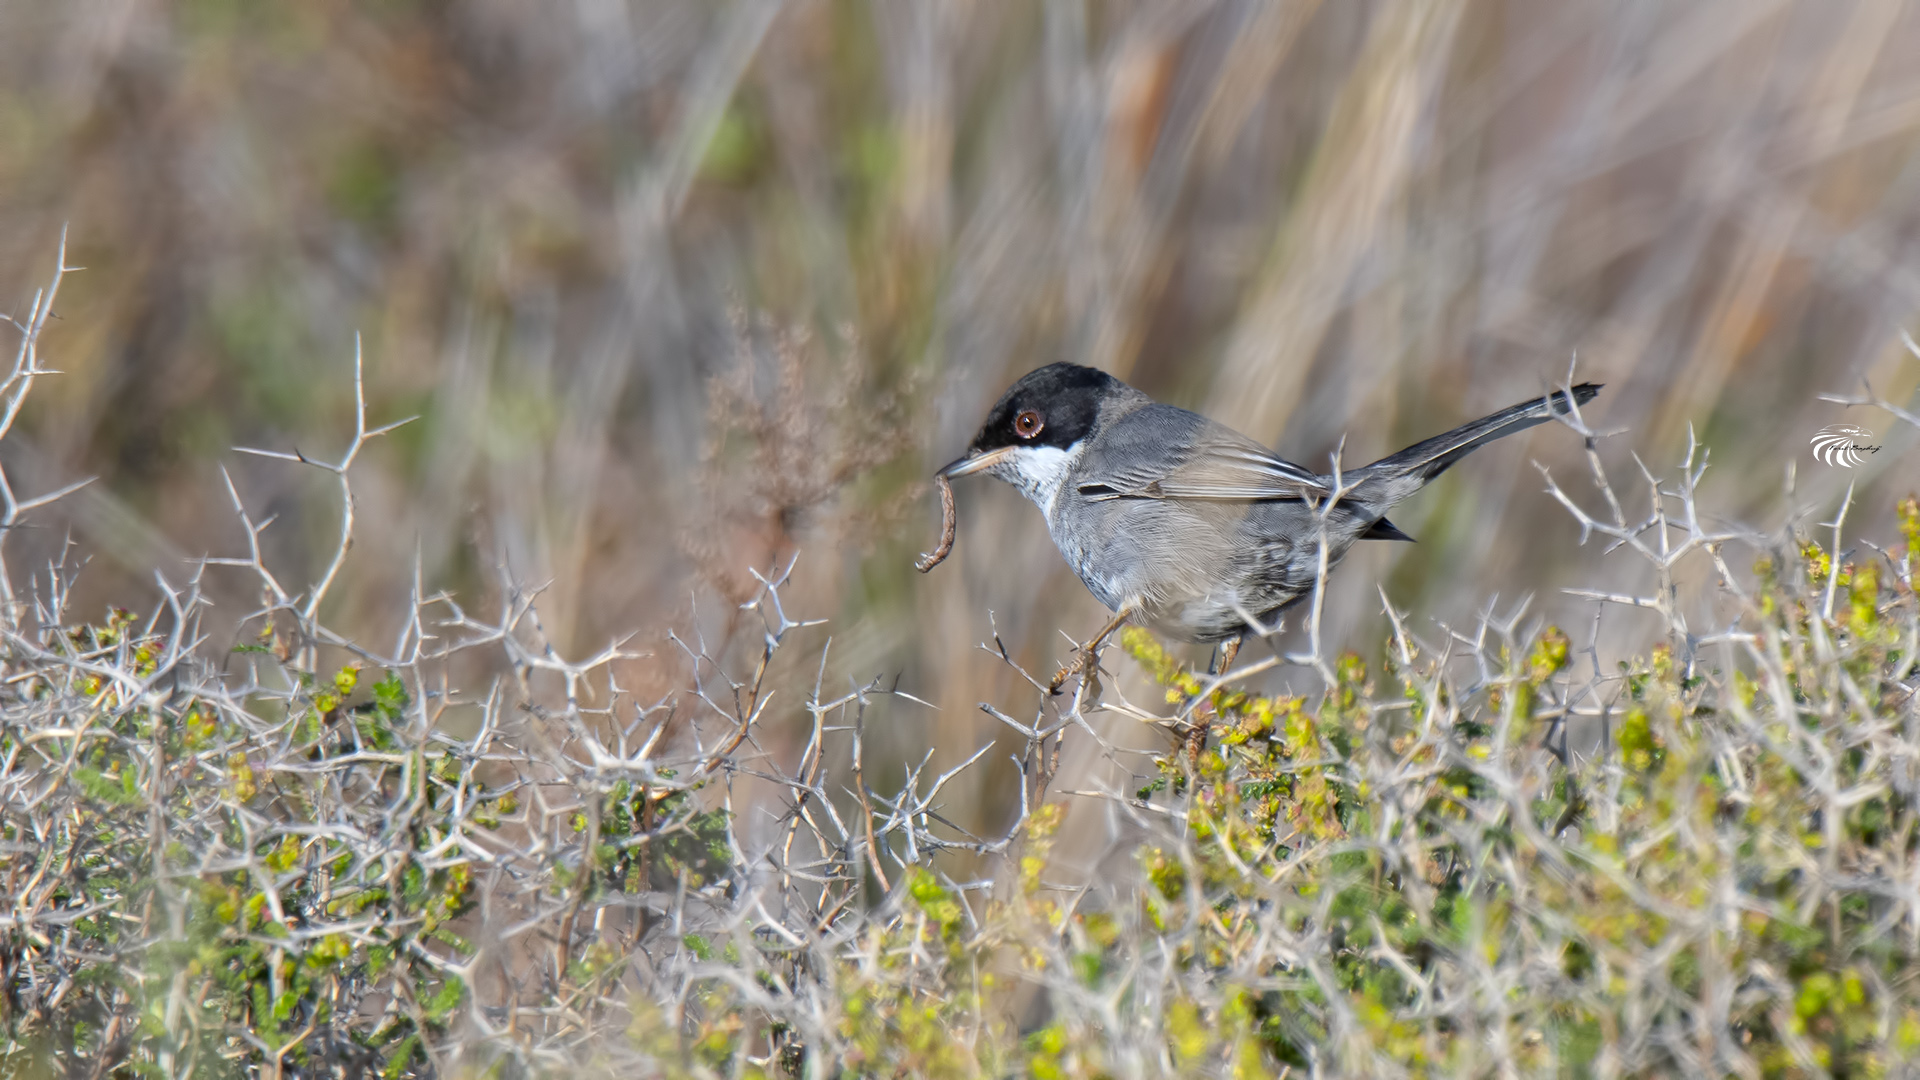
{"x":1720,"y":889}
{"x":1496,"y":853}
{"x":1419,"y":875}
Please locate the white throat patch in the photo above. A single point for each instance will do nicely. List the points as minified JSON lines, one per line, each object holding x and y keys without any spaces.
{"x":1038,"y":471}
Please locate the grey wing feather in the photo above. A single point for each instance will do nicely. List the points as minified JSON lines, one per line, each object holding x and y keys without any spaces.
{"x":1220,"y":463}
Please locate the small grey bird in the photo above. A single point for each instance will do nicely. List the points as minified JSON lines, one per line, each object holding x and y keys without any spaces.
{"x":1184,"y":525}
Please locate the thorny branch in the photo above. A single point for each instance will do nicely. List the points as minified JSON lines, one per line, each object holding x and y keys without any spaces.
{"x":325,"y":856}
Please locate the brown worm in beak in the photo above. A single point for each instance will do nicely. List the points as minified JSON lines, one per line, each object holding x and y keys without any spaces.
{"x":947,"y":525}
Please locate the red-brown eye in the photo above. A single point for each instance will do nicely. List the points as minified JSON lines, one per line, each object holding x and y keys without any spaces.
{"x":1028,"y":424}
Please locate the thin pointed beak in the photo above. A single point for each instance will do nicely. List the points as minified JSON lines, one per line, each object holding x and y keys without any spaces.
{"x":975,"y":462}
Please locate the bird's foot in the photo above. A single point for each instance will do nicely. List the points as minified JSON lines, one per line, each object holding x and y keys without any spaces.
{"x":1197,"y":736}
{"x":1086,"y":659}
{"x":1085,"y":663}
{"x":1203,"y":712}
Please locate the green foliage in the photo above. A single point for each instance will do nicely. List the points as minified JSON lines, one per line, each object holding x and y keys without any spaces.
{"x":245,"y":954}
{"x":1725,"y":859}
{"x":1408,"y":874}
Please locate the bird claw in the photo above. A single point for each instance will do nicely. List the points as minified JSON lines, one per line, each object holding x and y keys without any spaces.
{"x":1204,"y":712}
{"x":1196,"y":741}
{"x":1085,"y":662}
{"x":1086,"y":659}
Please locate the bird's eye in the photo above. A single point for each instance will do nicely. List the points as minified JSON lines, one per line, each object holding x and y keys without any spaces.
{"x":1028,"y":424}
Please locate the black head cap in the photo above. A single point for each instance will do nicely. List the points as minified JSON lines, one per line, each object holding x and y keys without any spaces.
{"x":1053,"y":406}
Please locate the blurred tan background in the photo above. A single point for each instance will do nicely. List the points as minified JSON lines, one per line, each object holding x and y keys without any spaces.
{"x":679,"y":287}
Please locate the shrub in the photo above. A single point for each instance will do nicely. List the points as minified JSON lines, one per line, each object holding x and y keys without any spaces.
{"x":1497,"y":853}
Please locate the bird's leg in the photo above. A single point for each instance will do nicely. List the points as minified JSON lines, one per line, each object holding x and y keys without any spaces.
{"x":1086,"y":660}
{"x":1227,"y":652}
{"x":1203,"y":713}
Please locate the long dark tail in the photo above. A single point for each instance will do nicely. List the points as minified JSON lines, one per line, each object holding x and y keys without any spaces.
{"x":1397,"y":476}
